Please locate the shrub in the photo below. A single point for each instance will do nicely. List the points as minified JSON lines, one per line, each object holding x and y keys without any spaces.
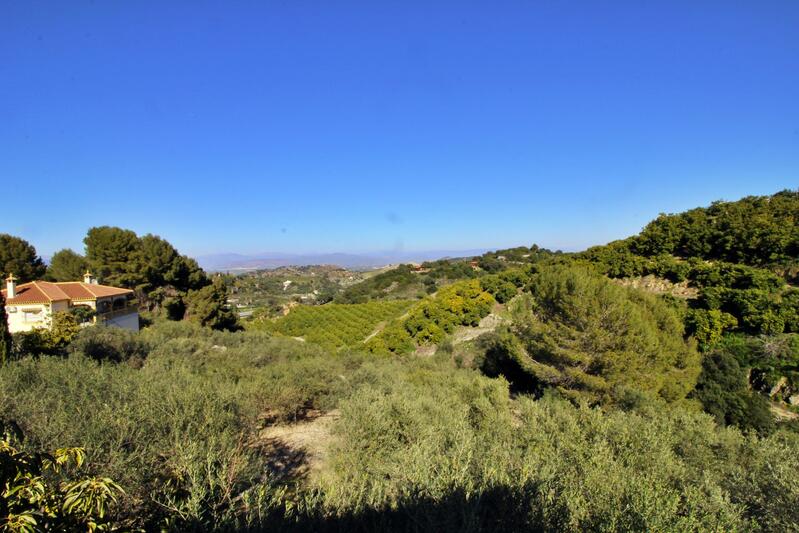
{"x":499,"y":287}
{"x":724,"y":392}
{"x":444,"y":452}
{"x":588,"y":336}
{"x":109,"y":344}
{"x":707,"y":327}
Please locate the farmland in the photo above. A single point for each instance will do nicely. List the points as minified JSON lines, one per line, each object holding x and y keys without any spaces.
{"x":335,"y":325}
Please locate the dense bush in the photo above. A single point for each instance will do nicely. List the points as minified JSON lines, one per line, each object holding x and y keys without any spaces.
{"x":419,"y":445}
{"x":756,"y":310}
{"x":54,"y":340}
{"x":707,"y":327}
{"x":738,"y":254}
{"x":757,"y":298}
{"x":443,"y":452}
{"x":501,"y":287}
{"x":447,"y":269}
{"x":110,"y":344}
{"x":377,"y":287}
{"x":724,"y":392}
{"x":772,"y":362}
{"x":178,"y":433}
{"x":500,"y":260}
{"x":591,"y":338}
{"x":41,"y":491}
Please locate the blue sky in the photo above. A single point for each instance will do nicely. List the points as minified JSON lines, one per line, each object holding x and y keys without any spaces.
{"x":301,"y":126}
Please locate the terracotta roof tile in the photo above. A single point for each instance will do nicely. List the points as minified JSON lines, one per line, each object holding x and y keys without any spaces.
{"x":38,"y":292}
{"x":105,"y":290}
{"x":26,"y":294}
{"x":76,"y":291}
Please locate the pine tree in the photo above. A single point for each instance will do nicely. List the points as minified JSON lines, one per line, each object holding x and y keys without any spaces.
{"x":207,"y":307}
{"x":18,"y":257}
{"x":66,"y":265}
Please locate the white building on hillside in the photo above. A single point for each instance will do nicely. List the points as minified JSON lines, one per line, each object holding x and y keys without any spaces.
{"x":32,"y":305}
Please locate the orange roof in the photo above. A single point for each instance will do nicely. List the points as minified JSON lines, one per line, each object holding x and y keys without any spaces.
{"x":44,"y":292}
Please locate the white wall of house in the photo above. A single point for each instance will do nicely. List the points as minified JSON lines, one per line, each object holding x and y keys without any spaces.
{"x":27,"y":317}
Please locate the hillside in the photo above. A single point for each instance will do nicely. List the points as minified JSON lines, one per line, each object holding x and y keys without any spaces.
{"x":273,"y":292}
{"x":651,"y":384}
{"x":756,"y":230}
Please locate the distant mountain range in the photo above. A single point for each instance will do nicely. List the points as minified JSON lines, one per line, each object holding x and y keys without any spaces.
{"x":230,"y":262}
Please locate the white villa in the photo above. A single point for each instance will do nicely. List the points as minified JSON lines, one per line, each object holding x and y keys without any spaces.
{"x":32,"y":305}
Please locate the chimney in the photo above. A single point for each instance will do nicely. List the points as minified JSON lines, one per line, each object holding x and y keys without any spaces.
{"x":11,"y":287}
{"x":87,"y":277}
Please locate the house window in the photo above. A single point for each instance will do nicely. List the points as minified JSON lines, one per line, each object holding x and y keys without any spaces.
{"x":32,"y":315}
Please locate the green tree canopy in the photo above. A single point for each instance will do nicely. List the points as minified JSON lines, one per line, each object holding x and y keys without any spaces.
{"x":594,"y":339}
{"x":114,"y":256}
{"x":207,"y":307}
{"x":724,"y":391}
{"x":66,"y":265}
{"x":18,"y":257}
{"x":150,"y":265}
{"x":163,"y":265}
{"x":755,"y":230}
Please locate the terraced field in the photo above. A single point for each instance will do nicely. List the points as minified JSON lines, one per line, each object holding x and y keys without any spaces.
{"x":338,"y":325}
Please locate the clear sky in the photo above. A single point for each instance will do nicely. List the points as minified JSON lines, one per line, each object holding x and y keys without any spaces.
{"x":321,"y":126}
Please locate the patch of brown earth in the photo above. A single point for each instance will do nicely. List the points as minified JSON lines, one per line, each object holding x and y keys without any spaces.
{"x":782,"y":413}
{"x":298,"y":450}
{"x":488,"y":323}
{"x":657,"y":285}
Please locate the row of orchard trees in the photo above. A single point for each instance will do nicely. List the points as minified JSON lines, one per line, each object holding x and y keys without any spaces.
{"x":335,"y":325}
{"x":164,"y":280}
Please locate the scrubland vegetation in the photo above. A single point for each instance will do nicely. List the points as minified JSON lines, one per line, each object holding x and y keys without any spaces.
{"x":420,"y":444}
{"x":584,"y":405}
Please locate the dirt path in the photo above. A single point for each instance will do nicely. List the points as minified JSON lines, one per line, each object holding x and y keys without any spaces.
{"x":488,"y":323}
{"x":782,"y":413}
{"x":300,"y":449}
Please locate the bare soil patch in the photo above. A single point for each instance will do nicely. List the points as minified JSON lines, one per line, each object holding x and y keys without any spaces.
{"x":298,"y":450}
{"x":660,"y":286}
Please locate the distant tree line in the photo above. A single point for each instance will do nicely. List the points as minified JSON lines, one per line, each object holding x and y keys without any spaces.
{"x":741,"y":256}
{"x":756,"y":230}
